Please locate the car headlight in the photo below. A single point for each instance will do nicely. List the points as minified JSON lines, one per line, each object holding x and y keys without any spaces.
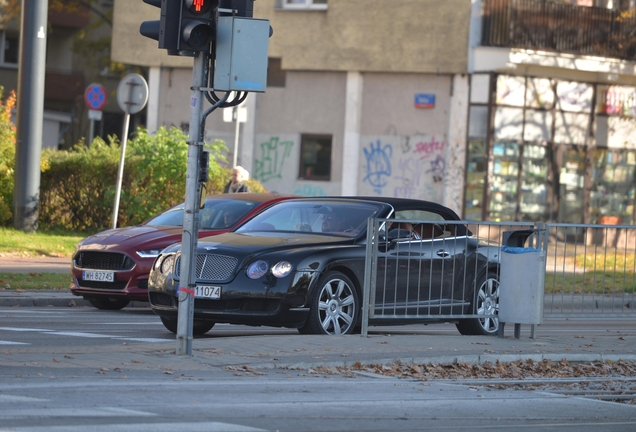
{"x":257,"y":269}
{"x":149,"y":253}
{"x":166,"y":264}
{"x":282,"y":269}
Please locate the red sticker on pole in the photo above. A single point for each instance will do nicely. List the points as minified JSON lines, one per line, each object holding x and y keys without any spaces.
{"x":95,"y":97}
{"x":187,"y":290}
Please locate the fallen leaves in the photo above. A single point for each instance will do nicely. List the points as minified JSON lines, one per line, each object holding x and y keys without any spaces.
{"x":243,"y":370}
{"x":520,"y":369}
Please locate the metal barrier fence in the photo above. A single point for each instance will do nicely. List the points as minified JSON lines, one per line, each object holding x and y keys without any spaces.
{"x":590,"y":270}
{"x":434,"y":271}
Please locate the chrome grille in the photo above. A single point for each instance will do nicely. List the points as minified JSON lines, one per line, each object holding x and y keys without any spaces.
{"x":211,"y":267}
{"x":103,"y":261}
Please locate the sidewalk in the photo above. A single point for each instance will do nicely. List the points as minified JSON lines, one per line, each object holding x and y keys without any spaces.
{"x":11,"y":264}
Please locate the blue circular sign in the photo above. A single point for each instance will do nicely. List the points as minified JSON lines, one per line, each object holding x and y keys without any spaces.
{"x":95,"y":97}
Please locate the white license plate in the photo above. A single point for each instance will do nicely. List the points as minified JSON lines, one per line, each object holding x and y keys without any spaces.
{"x":100,"y":276}
{"x":206,"y":291}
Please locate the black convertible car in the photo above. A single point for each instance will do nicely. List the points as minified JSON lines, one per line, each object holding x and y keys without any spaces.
{"x":301,"y":264}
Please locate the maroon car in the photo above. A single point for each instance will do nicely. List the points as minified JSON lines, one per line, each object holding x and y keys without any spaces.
{"x":111,"y":268}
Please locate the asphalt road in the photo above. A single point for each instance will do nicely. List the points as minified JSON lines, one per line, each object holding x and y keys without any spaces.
{"x":82,"y":369}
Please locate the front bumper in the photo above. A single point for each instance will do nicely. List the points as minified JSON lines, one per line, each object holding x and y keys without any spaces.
{"x":131,"y":284}
{"x":267,"y":301}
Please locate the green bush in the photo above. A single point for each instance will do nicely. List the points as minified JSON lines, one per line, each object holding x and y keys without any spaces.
{"x":78,"y":188}
{"x":7,"y":157}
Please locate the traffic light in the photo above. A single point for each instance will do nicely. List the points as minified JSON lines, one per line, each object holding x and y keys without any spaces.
{"x":184,"y":26}
{"x":166,"y":29}
{"x":197,"y":24}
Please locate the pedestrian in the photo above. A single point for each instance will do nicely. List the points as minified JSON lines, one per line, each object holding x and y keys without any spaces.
{"x":237,"y":184}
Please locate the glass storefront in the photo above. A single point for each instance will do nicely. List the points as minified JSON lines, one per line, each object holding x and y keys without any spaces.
{"x":613,"y":187}
{"x":535,"y":159}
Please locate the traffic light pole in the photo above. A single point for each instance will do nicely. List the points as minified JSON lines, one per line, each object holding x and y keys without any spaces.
{"x":191,"y":211}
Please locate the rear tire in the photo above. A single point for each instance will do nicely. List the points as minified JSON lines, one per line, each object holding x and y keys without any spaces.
{"x":198,"y":327}
{"x":108,"y":303}
{"x":334,"y":306}
{"x":487,"y":302}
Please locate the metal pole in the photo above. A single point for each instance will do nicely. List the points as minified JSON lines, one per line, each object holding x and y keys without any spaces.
{"x":236,"y":134}
{"x":91,"y":134}
{"x":26,"y":191}
{"x":191,"y":211}
{"x":120,"y":172}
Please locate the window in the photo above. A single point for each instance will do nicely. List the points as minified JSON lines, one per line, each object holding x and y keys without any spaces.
{"x":315,"y":157}
{"x":8,"y":48}
{"x":304,"y":4}
{"x":276,"y":75}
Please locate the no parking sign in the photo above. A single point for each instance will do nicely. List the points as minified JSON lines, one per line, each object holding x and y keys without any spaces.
{"x":95,"y":97}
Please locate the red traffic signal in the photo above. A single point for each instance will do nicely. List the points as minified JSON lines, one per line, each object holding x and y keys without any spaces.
{"x":197,"y":25}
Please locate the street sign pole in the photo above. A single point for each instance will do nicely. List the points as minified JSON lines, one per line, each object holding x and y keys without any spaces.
{"x":120,"y":171}
{"x":132,"y":96}
{"x":191,"y":211}
{"x":95,"y":98}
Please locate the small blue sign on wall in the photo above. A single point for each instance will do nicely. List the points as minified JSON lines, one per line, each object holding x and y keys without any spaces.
{"x":424,"y":100}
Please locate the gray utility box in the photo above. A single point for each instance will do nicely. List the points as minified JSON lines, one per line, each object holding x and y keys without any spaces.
{"x":521,"y":287}
{"x":241,"y":54}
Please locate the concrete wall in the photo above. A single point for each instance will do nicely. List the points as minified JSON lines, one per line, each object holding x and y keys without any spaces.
{"x":360,"y":35}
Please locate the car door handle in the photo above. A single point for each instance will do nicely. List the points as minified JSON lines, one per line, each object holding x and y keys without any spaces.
{"x":442,"y":253}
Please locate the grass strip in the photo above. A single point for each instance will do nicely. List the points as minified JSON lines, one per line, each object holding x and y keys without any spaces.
{"x":35,"y":281}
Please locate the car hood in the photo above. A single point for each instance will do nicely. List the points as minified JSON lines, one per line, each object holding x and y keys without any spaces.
{"x":257,"y":242}
{"x":137,"y":237}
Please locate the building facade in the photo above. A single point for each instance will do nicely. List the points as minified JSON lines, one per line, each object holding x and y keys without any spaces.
{"x":499,"y":109}
{"x":77,"y":54}
{"x":552,"y":131}
{"x":363,"y":97}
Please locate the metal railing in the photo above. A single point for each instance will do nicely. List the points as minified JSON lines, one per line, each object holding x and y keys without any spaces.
{"x":590,"y":270}
{"x":548,"y":25}
{"x":433,"y":278}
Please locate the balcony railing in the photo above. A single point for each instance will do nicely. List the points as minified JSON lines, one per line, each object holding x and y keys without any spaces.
{"x":546,"y":25}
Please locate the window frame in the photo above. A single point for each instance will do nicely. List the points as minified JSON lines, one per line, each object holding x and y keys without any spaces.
{"x":302,"y":169}
{"x":3,"y":41}
{"x":307,"y":5}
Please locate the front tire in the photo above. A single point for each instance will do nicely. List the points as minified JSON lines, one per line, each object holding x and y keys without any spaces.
{"x":198,"y":327}
{"x":334,"y":306}
{"x":486,"y":301}
{"x":108,"y":303}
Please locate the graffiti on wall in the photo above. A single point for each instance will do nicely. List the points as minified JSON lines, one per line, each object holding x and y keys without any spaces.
{"x":404,"y":167}
{"x":309,"y":190}
{"x":274,"y":153}
{"x":378,"y":164}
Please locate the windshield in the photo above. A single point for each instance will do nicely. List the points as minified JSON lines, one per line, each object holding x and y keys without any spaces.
{"x":325,"y":217}
{"x":217,"y":214}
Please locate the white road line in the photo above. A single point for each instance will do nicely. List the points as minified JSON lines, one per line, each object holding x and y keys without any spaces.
{"x":77,"y":334}
{"x":72,"y":412}
{"x":81,"y":334}
{"x":9,"y":398}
